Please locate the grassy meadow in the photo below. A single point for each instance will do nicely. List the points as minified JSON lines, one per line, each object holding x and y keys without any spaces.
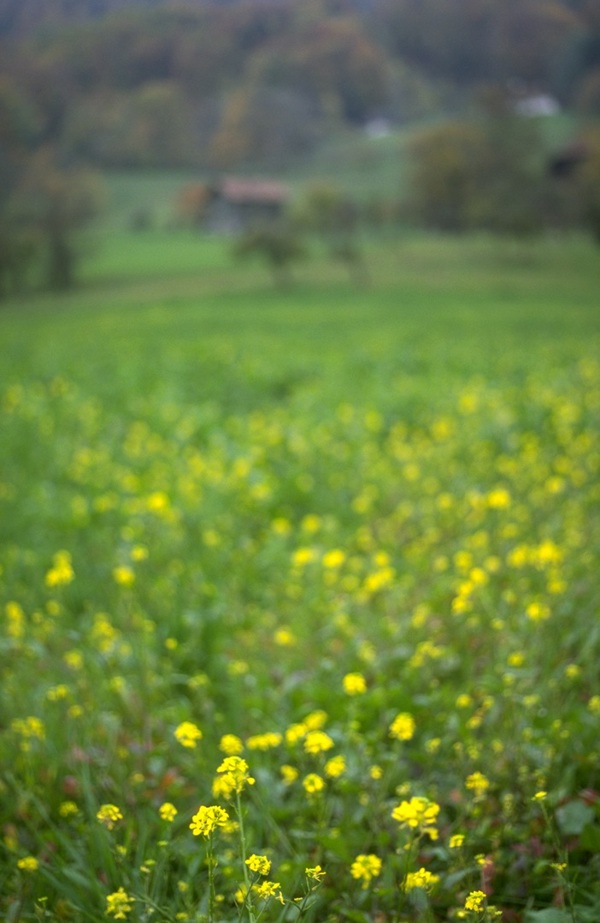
{"x":300,"y":589}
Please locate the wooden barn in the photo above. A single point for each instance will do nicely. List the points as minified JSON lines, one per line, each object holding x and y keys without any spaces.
{"x":234,"y":205}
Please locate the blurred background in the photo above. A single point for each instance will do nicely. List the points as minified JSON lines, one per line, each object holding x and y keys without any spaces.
{"x":452,"y":115}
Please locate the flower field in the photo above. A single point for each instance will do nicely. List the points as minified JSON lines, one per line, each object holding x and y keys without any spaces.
{"x":300,"y":612}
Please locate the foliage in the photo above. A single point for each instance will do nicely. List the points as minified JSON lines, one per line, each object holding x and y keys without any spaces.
{"x":156,"y":83}
{"x":51,"y":204}
{"x":487,"y":173}
{"x":278,"y":245}
{"x":299,"y":595}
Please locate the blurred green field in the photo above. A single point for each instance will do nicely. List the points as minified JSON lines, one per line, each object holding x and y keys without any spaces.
{"x":346,"y":536}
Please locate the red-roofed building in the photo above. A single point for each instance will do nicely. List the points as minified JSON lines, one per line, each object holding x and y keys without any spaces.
{"x":238,"y":204}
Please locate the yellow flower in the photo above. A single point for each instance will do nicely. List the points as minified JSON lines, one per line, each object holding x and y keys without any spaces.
{"x":28,"y":864}
{"x":264,"y":741}
{"x":231,"y":745}
{"x":68,"y":809}
{"x":478,"y":783}
{"x":303,"y":556}
{"x":317,"y":742}
{"x":539,"y":796}
{"x":537,"y":612}
{"x":207,"y":819}
{"x":61,"y":573}
{"x":402,"y":727}
{"x":421,"y":879}
{"x":456,"y":841}
{"x":354,"y":684}
{"x":119,"y":904}
{"x":259,"y":864}
{"x":365,"y":868}
{"x":283,"y":637}
{"x":335,"y":767}
{"x":289,"y":774}
{"x":168,"y":812}
{"x":267,"y":889}
{"x":334,"y":559}
{"x":234,"y":777}
{"x":418,"y":814}
{"x":475,"y":901}
{"x":313,"y":783}
{"x":188,"y":734}
{"x":109,"y":815}
{"x":29,"y":727}
{"x":123,"y":575}
{"x":316,"y":873}
{"x":594,"y":704}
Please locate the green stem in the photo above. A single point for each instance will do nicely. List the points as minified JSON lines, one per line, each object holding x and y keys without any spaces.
{"x":243,"y":855}
{"x":211,"y":880}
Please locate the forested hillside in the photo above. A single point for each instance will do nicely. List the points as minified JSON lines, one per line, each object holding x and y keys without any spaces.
{"x":149,"y":83}
{"x":261,"y":85}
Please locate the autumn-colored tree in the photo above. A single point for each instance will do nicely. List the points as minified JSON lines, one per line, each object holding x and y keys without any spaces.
{"x":334,"y":63}
{"x":267,"y":125}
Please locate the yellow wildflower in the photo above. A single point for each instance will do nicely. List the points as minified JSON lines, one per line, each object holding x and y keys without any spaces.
{"x":119,"y":904}
{"x":335,"y":767}
{"x":231,"y":745}
{"x":109,"y":815}
{"x":289,"y":774}
{"x":259,"y":864}
{"x":475,"y":901}
{"x":403,"y":726}
{"x":365,"y":868}
{"x":418,"y":814}
{"x":168,"y":812}
{"x":354,"y":684}
{"x":206,"y":820}
{"x":61,"y":573}
{"x":478,"y":783}
{"x":421,"y":879}
{"x":313,"y":783}
{"x":233,"y":777}
{"x":188,"y":734}
{"x":268,"y":889}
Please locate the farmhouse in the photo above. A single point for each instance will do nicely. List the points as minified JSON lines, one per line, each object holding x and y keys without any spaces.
{"x":235,"y":205}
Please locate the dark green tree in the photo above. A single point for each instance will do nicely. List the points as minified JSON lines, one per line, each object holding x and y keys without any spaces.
{"x":278,"y":246}
{"x":53,"y":204}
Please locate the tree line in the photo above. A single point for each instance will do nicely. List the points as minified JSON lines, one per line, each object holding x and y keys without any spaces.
{"x":219,"y":85}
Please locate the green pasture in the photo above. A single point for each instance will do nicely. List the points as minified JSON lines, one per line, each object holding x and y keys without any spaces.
{"x":299,"y":613}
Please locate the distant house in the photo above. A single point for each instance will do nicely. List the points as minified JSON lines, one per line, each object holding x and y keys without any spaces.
{"x":234,"y":205}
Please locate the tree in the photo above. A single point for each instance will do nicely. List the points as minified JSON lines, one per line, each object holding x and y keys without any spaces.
{"x":444,"y":162}
{"x":485,"y":173}
{"x":54,"y":203}
{"x":328,"y":212}
{"x":278,"y":247}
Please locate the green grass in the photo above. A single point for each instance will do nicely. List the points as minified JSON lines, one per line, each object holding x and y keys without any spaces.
{"x":218,"y":500}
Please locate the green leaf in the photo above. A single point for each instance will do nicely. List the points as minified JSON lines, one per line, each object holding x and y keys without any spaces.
{"x":573,"y":817}
{"x":549,"y":915}
{"x":590,"y":838}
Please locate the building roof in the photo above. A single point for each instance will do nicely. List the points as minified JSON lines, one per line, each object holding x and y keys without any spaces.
{"x":254,"y":191}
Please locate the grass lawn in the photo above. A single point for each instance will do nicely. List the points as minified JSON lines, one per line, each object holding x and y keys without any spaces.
{"x":299,"y":588}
